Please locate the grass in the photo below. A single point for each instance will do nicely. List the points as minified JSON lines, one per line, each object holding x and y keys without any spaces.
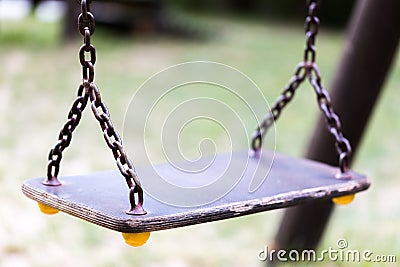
{"x":38,"y":82}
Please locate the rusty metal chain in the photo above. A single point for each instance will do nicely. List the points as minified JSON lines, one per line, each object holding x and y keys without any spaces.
{"x":342,"y":144}
{"x":88,"y":90}
{"x":280,"y":103}
{"x":308,"y":69}
{"x":65,"y":136}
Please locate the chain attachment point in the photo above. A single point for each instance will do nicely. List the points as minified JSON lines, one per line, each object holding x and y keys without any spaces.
{"x":136,"y":208}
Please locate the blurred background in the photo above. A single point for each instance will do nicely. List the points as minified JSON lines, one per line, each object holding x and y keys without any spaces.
{"x":39,"y":76}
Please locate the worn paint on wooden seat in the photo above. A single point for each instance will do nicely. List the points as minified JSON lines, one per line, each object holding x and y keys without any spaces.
{"x":101,"y":198}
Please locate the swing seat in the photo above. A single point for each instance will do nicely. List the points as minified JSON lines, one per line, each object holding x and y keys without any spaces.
{"x":101,"y":198}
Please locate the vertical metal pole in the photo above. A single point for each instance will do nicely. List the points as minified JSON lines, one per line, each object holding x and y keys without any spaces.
{"x":370,"y":48}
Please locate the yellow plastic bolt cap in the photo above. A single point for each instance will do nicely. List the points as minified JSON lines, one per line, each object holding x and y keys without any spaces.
{"x":136,"y":239}
{"x":344,"y":199}
{"x":47,"y":209}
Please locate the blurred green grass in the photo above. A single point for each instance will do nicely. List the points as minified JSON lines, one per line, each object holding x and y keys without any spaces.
{"x":38,"y":82}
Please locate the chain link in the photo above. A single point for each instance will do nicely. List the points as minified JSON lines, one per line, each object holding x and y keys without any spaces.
{"x":88,"y":90}
{"x":342,"y":144}
{"x":65,"y":137}
{"x":308,"y":69}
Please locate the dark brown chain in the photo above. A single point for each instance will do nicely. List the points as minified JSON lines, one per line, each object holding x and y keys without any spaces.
{"x":88,"y":90}
{"x":65,"y":136}
{"x":308,"y":69}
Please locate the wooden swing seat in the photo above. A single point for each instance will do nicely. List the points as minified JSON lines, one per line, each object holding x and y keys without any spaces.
{"x":101,"y":198}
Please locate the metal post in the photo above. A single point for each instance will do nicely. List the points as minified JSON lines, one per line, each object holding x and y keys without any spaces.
{"x":370,"y":48}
